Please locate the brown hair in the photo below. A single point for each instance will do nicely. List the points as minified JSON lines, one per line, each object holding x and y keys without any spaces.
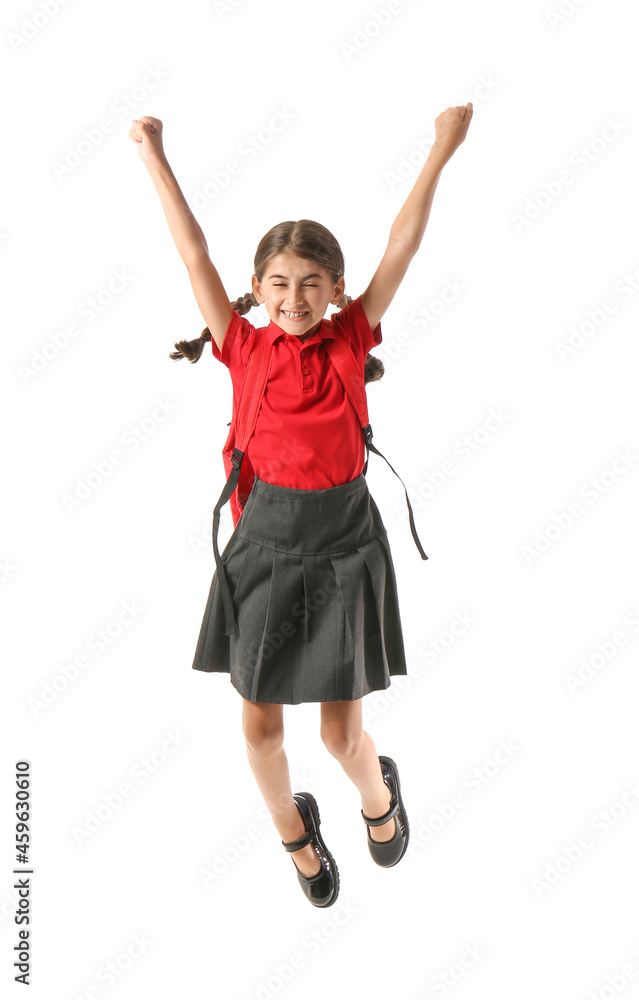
{"x":303,"y":238}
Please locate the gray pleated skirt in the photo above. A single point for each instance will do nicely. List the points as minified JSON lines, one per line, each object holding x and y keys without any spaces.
{"x":315,"y":597}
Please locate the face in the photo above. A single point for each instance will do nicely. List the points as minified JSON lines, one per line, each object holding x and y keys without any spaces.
{"x":296,"y":285}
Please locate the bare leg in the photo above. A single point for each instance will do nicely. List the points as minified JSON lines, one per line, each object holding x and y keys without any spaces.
{"x":263,"y":727}
{"x":343,"y":736}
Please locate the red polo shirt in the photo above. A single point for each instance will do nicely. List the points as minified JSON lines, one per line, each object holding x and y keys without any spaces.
{"x":307,"y":434}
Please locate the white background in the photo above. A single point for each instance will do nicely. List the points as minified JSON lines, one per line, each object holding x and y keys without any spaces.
{"x":535,"y":222}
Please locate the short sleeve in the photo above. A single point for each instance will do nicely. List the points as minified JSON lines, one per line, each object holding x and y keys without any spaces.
{"x":238,"y":342}
{"x":354,"y":325}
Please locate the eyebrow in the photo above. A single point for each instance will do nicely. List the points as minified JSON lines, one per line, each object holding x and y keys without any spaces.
{"x":314,"y":275}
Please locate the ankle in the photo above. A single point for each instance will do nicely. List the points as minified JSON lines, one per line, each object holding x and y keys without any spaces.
{"x":378,"y":804}
{"x":290,"y":824}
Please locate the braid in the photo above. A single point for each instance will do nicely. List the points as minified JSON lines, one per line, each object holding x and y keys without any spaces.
{"x":374,"y":367}
{"x":244,"y":303}
{"x":192,"y":349}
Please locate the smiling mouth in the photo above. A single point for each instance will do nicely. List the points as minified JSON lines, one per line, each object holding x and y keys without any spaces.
{"x":294,"y":315}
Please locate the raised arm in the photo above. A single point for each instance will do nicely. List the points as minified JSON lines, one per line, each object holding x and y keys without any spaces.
{"x":189,"y":239}
{"x":408,"y":228}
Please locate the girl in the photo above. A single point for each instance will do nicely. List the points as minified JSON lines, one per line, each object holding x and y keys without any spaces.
{"x":303,"y":603}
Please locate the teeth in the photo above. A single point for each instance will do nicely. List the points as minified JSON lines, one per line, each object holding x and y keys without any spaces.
{"x":292,"y":314}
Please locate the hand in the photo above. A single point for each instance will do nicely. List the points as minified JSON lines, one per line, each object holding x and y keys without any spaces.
{"x":147,"y":133}
{"x":451,"y":127}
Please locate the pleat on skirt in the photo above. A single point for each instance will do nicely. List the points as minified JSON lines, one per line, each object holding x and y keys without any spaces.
{"x":315,"y":598}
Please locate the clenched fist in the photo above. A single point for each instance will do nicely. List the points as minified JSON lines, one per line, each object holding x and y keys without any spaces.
{"x":451,"y":127}
{"x":147,"y":133}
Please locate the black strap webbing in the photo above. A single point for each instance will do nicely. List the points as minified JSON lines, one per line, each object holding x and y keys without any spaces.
{"x":227,"y":492}
{"x":368,"y":439}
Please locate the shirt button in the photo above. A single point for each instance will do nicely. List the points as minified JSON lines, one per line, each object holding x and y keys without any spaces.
{"x":305,"y":371}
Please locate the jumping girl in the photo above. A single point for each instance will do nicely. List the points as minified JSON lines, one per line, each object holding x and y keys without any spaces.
{"x":303,"y":603}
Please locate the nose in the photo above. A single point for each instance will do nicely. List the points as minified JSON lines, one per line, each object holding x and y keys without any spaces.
{"x":297,"y":301}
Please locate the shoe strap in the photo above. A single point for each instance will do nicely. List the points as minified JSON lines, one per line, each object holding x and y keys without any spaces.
{"x":295,"y":845}
{"x":382,"y":819}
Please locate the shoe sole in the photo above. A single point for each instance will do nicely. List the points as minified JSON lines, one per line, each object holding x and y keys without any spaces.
{"x":316,"y":818}
{"x":400,"y":810}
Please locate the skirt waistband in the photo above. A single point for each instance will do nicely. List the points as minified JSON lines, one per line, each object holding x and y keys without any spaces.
{"x":329,"y":495}
{"x":310,"y":522}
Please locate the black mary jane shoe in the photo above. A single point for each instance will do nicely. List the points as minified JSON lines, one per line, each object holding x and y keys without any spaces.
{"x":387,"y":853}
{"x":320,"y":889}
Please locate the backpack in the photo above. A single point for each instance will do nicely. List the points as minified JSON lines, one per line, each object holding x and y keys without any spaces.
{"x":237,"y":465}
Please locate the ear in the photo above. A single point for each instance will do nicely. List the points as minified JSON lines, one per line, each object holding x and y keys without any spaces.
{"x":339,"y":291}
{"x":257,"y":289}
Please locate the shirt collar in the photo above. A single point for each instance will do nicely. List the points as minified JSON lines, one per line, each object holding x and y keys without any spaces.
{"x":324,"y":331}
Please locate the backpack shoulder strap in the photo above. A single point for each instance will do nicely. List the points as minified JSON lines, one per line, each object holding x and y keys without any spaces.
{"x":253,"y":388}
{"x":352,"y":377}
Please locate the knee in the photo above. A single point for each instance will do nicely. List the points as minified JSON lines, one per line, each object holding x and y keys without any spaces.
{"x":263,"y":736}
{"x":341,"y":741}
